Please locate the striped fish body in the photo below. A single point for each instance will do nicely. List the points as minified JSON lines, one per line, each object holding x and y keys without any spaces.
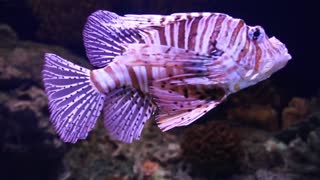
{"x":199,"y":32}
{"x":196,"y":32}
{"x":174,"y":68}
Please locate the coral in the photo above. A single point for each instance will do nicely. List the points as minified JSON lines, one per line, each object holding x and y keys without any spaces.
{"x":93,"y":159}
{"x":303,"y":157}
{"x":213,"y":148}
{"x":25,"y":130}
{"x":99,"y":156}
{"x":149,"y":167}
{"x":264,"y":116}
{"x":301,"y":130}
{"x":160,"y":148}
{"x":258,"y":105}
{"x":296,"y":112}
{"x":255,"y":155}
{"x":262,"y":105}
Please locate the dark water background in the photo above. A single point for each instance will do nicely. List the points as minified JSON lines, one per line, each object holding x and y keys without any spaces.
{"x":61,"y":24}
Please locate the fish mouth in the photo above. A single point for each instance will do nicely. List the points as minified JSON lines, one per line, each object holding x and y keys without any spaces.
{"x":277,"y":44}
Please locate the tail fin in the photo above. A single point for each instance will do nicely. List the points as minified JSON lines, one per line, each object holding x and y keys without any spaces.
{"x":74,"y":103}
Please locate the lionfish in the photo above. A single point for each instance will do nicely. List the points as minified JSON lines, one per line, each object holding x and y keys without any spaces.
{"x":173,"y":68}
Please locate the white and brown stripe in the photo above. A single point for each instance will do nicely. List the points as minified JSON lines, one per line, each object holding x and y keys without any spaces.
{"x":117,"y":75}
{"x":200,"y":32}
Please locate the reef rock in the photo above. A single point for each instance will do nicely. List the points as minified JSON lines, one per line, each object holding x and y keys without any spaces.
{"x":28,"y":144}
{"x":296,"y":112}
{"x":301,"y":130}
{"x":259,"y":115}
{"x":303,"y":157}
{"x":214,"y":148}
{"x":8,"y":36}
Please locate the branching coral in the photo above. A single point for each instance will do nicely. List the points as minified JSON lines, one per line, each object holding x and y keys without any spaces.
{"x":214,"y":147}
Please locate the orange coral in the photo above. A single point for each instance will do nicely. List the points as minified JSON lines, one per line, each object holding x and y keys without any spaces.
{"x":149,"y":168}
{"x":296,"y":112}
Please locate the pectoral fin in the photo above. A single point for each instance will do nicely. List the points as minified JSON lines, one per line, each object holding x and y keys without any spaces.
{"x":185,"y":104}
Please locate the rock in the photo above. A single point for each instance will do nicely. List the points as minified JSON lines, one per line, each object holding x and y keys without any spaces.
{"x":27,"y":59}
{"x":296,"y":112}
{"x":301,"y":129}
{"x":303,"y":157}
{"x":259,"y":115}
{"x":8,"y":38}
{"x":26,"y":134}
{"x":256,"y":156}
{"x":213,"y":148}
{"x":263,"y":174}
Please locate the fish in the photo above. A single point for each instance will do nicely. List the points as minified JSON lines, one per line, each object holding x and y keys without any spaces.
{"x":169,"y":68}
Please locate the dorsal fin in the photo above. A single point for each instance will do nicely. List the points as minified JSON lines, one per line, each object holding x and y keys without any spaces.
{"x":107,"y":34}
{"x":192,"y":31}
{"x":105,"y":37}
{"x":146,"y":20}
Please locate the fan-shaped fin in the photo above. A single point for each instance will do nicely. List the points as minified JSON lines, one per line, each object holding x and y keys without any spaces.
{"x":125,"y":113}
{"x":105,"y":37}
{"x":74,"y":104}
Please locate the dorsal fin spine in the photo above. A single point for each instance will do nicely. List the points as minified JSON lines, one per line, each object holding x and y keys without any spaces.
{"x":105,"y":37}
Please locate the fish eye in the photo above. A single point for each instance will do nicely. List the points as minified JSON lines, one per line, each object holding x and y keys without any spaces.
{"x":256,"y":33}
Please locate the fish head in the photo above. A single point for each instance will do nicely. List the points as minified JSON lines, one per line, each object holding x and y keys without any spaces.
{"x":267,"y":55}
